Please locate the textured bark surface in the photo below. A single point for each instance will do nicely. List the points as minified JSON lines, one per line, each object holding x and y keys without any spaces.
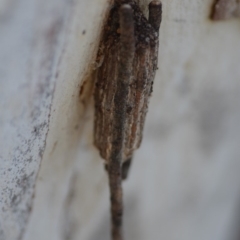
{"x":184,"y":182}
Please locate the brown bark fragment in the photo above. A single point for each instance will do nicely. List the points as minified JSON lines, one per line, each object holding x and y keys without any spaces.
{"x":225,"y":9}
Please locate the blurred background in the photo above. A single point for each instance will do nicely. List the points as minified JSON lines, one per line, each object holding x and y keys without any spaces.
{"x":184,"y":183}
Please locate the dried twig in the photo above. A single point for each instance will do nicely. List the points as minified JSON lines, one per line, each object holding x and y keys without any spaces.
{"x":129,"y":50}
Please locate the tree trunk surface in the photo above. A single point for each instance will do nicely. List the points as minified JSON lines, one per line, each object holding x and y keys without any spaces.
{"x":184,"y":183}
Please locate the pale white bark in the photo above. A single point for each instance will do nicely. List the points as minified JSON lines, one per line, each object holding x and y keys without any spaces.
{"x":184,"y":183}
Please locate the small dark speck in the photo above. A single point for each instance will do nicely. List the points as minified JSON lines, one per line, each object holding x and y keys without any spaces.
{"x":83,"y":32}
{"x":82,"y":88}
{"x":15,"y":200}
{"x":40,"y":152}
{"x":76,"y":127}
{"x":129,"y":109}
{"x":29,"y":159}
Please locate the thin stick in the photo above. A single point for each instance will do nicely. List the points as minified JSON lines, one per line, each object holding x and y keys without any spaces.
{"x":126,"y":55}
{"x":155,"y":14}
